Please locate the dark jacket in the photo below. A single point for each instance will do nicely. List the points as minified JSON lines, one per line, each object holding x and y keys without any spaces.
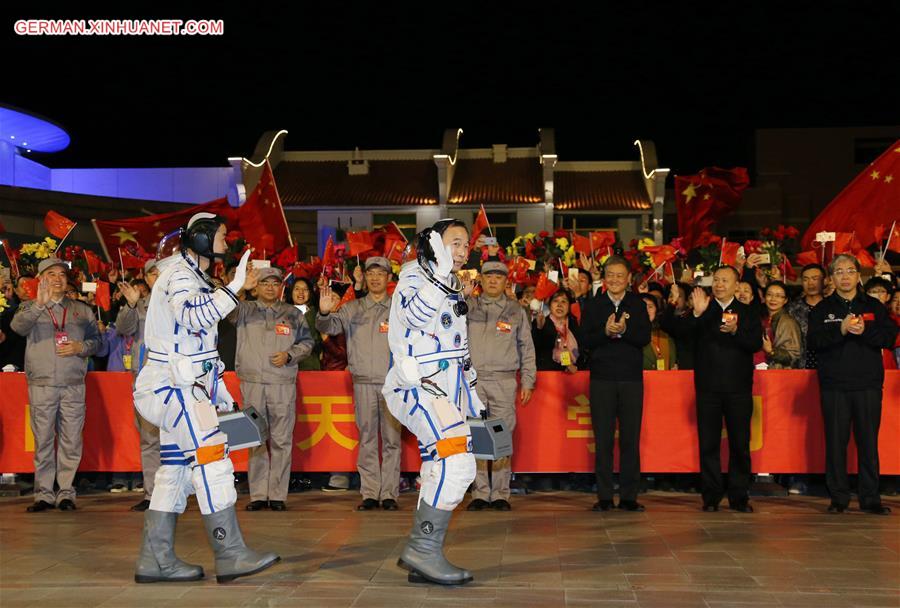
{"x":723,"y":362}
{"x":850,"y":363}
{"x":545,"y":340}
{"x":685,"y":340}
{"x":620,"y":359}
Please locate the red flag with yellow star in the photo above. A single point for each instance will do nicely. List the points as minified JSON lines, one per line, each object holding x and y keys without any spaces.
{"x":869,"y":200}
{"x":703,"y":199}
{"x":144,"y":233}
{"x":263,"y":214}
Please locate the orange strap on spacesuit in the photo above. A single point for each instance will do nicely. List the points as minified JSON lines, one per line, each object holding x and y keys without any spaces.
{"x":452,"y":445}
{"x":210,"y":453}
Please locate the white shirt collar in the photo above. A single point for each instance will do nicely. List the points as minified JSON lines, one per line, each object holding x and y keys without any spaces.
{"x":726,"y":304}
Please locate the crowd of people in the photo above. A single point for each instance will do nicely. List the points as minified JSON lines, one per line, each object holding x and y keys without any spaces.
{"x":602,"y":319}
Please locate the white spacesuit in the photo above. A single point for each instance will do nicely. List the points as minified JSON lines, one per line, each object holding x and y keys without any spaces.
{"x":430,"y":389}
{"x":176,"y":390}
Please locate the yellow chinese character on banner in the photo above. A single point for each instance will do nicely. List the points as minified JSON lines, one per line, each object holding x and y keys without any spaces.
{"x":581,"y":414}
{"x":29,"y":436}
{"x":326,"y":422}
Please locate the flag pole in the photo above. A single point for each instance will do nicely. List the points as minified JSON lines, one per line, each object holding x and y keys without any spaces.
{"x":722,"y":250}
{"x":888,"y":243}
{"x":58,"y":247}
{"x":102,"y":242}
{"x":121,"y":263}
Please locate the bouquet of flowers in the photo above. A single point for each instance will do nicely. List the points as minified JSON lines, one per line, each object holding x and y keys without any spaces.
{"x":31,"y":254}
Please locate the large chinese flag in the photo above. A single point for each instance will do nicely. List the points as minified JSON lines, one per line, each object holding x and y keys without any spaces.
{"x":872,"y":198}
{"x":144,"y":233}
{"x":58,"y":225}
{"x":703,"y":199}
{"x":263,"y":214}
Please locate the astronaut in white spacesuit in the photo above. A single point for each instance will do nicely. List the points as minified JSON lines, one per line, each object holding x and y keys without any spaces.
{"x":179,"y":390}
{"x":430,"y":389}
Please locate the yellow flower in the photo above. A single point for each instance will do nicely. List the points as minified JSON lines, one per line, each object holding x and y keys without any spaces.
{"x":43,"y":252}
{"x":530,"y":236}
{"x":29,"y":248}
{"x":3,"y":303}
{"x":562,"y":243}
{"x":645,"y":242}
{"x":395,"y":267}
{"x":51,"y":243}
{"x":569,"y":257}
{"x":603,"y":259}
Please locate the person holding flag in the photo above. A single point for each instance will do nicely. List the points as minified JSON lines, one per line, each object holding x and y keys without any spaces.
{"x":179,"y":390}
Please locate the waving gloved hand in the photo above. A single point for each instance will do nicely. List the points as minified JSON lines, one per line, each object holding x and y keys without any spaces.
{"x":240,"y":274}
{"x":443,"y":260}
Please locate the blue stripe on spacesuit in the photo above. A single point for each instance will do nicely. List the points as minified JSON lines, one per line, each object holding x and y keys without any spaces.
{"x":169,"y":446}
{"x":419,"y":298}
{"x":456,"y":392}
{"x":211,"y":434}
{"x":454,"y":425}
{"x":437,"y":493}
{"x":206,"y":484}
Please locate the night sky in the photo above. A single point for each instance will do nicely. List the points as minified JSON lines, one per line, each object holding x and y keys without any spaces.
{"x":697,"y":79}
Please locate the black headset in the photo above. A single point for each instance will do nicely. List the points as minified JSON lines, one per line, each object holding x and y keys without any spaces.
{"x":200,"y":236}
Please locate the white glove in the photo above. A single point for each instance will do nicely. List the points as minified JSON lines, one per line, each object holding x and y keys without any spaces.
{"x":224,"y":400}
{"x":408,"y":372}
{"x":240,"y":274}
{"x":443,"y":259}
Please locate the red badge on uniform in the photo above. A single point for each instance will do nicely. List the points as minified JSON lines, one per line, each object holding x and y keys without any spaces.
{"x":868,"y":316}
{"x":503,"y":326}
{"x":282,"y":329}
{"x":383,"y":328}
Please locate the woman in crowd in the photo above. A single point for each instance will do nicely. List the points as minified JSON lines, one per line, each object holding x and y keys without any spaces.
{"x":661,"y":353}
{"x":302,"y":296}
{"x":781,"y":333}
{"x":555,"y":337}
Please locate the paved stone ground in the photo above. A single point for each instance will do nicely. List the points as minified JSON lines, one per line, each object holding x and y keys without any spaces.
{"x":551,"y":550}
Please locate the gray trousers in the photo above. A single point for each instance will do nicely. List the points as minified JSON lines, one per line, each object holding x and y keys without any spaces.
{"x":57,"y":419}
{"x":499,"y":396}
{"x":269,"y":471}
{"x":379,"y":474}
{"x":149,"y":452}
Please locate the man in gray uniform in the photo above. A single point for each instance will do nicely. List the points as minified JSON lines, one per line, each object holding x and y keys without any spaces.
{"x":130,"y":324}
{"x":365,"y":324}
{"x":500,"y":344}
{"x":272,"y":337}
{"x":61,"y":335}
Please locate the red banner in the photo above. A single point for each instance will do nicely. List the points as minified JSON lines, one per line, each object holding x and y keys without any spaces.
{"x":553,"y":432}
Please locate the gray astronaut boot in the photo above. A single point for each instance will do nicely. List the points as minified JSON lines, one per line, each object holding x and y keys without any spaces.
{"x":233,"y":557}
{"x":157,"y":561}
{"x":423,"y":555}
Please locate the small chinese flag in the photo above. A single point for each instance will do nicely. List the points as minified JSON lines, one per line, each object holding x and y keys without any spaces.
{"x":349,"y":295}
{"x":30,"y":287}
{"x":545,"y":287}
{"x":481,"y":223}
{"x":58,"y":225}
{"x":102,"y":296}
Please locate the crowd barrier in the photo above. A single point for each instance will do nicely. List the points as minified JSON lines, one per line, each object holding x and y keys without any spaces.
{"x":553,"y":432}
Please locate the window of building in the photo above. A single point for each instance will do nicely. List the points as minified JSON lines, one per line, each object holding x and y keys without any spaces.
{"x":503,"y":225}
{"x":585,"y":222}
{"x":405,"y":221}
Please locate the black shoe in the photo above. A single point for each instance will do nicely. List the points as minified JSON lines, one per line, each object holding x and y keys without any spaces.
{"x":478,"y":505}
{"x":500,"y":505}
{"x":741,"y":507}
{"x":257,"y":505}
{"x":41,"y":505}
{"x":141,"y":506}
{"x":877,"y":510}
{"x":367,"y":505}
{"x":603,"y":505}
{"x":277,"y":505}
{"x":67,"y":505}
{"x":710,"y":507}
{"x":631,"y":505}
{"x":389,"y":504}
{"x":835,"y":508}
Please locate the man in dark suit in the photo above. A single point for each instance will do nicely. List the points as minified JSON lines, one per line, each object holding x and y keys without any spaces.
{"x":728,"y":333}
{"x":847,"y":331}
{"x":616,"y":329}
